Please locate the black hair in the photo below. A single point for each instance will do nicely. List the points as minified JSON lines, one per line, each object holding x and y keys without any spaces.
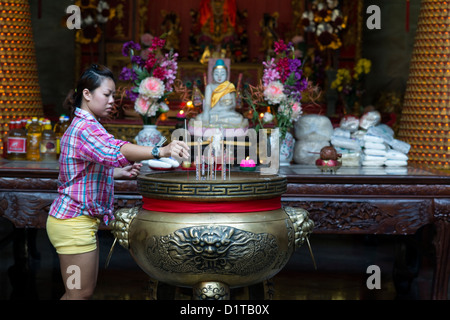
{"x":91,"y":79}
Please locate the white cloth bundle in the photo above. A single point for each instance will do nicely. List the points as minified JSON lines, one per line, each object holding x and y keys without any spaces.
{"x":396,"y":163}
{"x":400,"y":146}
{"x":373,"y":160}
{"x":396,"y":155}
{"x":375,"y":152}
{"x":346,"y":143}
{"x":372,"y":138}
{"x":369,"y":119}
{"x":374,"y":145}
{"x":381,"y":131}
{"x":396,"y":159}
{"x":351,"y":159}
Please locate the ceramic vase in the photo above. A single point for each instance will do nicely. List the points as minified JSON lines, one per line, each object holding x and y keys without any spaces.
{"x":287,"y":149}
{"x":149,"y":136}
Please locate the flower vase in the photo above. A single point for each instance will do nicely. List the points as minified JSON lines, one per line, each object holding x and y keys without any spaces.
{"x":149,"y":136}
{"x":287,"y":149}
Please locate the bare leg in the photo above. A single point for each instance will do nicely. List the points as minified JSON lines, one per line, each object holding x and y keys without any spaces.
{"x":87,"y":266}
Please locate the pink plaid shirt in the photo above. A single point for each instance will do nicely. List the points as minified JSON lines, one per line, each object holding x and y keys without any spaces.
{"x":88,"y":157}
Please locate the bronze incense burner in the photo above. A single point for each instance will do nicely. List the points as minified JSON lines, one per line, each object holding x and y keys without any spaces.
{"x":211,"y":252}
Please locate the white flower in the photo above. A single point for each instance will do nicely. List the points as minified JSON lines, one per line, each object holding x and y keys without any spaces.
{"x":291,"y":109}
{"x":268,"y":117}
{"x":151,"y":88}
{"x":273,"y":92}
{"x":141,"y":105}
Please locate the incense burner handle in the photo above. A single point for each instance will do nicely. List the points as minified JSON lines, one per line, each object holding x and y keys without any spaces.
{"x":121,"y":223}
{"x":303,"y":225}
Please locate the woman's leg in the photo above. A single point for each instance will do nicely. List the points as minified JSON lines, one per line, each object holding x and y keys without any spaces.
{"x":79,"y":273}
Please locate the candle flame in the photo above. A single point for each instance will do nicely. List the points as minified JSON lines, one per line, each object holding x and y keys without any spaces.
{"x":247,"y":158}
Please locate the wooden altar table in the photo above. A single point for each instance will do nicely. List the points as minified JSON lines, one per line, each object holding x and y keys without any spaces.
{"x":355,"y":200}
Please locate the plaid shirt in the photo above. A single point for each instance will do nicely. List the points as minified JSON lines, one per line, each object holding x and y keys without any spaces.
{"x":88,"y":157}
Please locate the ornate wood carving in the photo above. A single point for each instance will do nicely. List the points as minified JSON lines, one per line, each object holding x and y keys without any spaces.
{"x":365,"y":216}
{"x":375,"y":190}
{"x":442,"y":271}
{"x":442,"y":210}
{"x":26,"y":209}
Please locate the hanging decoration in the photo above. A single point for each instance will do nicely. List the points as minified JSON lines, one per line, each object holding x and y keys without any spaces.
{"x":325,"y":21}
{"x":218,"y":31}
{"x":94,"y":14}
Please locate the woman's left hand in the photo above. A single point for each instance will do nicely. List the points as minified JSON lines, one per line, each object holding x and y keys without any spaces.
{"x":128,"y":172}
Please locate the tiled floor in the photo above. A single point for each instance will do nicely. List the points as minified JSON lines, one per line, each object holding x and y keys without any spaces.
{"x":341,"y":274}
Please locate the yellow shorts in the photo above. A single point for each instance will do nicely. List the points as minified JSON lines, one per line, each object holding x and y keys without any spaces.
{"x":73,"y":236}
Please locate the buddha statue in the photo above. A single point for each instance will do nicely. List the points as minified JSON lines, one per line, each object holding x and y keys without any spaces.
{"x":220,"y":102}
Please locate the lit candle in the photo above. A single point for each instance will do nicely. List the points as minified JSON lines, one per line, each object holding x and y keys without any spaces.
{"x":181,"y":114}
{"x":247,"y":164}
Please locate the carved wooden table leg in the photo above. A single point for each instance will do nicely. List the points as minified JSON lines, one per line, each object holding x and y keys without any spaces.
{"x":442,"y":272}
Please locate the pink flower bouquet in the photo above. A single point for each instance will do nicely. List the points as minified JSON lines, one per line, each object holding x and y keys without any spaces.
{"x":152,"y":75}
{"x":281,"y":88}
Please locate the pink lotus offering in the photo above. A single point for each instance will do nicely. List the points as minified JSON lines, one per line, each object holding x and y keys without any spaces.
{"x":248,"y":165}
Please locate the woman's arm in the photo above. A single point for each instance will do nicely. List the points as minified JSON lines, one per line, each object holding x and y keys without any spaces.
{"x":135,"y":153}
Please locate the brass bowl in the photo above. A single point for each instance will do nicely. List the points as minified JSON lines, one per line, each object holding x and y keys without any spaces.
{"x":179,"y":185}
{"x":197,"y":249}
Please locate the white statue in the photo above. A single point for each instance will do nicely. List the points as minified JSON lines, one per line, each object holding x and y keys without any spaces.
{"x":220,"y":102}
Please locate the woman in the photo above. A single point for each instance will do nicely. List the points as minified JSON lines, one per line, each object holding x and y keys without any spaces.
{"x":90,"y":159}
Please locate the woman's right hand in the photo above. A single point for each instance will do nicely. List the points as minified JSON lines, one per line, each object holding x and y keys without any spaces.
{"x":178,"y":150}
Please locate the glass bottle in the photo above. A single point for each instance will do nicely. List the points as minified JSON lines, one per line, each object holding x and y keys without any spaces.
{"x":48,"y":143}
{"x":57,"y":129}
{"x":16,"y":142}
{"x":34,"y":136}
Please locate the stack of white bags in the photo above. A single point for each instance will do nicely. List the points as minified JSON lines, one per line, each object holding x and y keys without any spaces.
{"x":381,"y":148}
{"x":375,"y":151}
{"x":369,"y":144}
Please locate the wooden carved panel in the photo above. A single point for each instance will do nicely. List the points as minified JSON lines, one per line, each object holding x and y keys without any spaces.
{"x":442,"y":210}
{"x":365,"y":216}
{"x":25,"y":209}
{"x":387,"y":190}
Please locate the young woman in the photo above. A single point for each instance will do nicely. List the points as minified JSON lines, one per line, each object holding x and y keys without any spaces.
{"x":90,"y":159}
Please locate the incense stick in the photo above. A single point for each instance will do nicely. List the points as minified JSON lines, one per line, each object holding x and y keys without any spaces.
{"x":223,"y":164}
